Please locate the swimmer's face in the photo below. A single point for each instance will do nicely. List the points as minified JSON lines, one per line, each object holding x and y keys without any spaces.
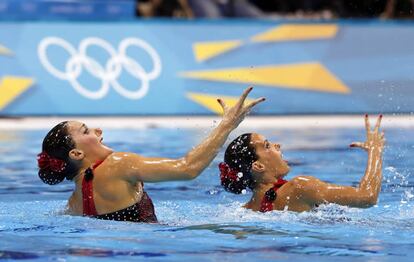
{"x":88,"y":141}
{"x":270,"y":164}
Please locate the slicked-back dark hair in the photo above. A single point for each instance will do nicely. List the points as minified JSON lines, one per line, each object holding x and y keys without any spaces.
{"x":239,"y":156}
{"x":57,"y":144}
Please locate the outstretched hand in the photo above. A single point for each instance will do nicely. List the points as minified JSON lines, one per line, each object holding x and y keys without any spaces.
{"x":234,"y":115}
{"x":374,"y":138}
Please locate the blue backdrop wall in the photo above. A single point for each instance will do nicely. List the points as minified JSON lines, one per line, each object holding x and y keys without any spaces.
{"x":181,"y":67}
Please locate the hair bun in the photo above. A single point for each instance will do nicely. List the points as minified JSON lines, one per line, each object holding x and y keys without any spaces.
{"x":47,"y":162}
{"x":232,"y":180}
{"x":226,"y":173}
{"x":51,"y":168}
{"x":50,"y":177}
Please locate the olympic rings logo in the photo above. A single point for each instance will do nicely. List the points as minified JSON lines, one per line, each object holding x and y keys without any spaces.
{"x":109,"y":73}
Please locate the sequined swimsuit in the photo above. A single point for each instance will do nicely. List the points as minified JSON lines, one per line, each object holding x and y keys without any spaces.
{"x":142,"y":211}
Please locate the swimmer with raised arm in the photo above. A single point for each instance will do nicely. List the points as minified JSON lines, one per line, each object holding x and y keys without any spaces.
{"x":109,"y":185}
{"x":251,"y":161}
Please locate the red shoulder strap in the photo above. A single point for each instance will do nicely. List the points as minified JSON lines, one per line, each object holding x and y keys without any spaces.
{"x":270,"y":196}
{"x":94,"y":166}
{"x":89,"y":208}
{"x":87,"y":196}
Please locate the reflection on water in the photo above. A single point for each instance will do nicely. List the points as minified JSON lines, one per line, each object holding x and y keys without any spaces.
{"x":242,"y":232}
{"x":76,"y":252}
{"x":4,"y":254}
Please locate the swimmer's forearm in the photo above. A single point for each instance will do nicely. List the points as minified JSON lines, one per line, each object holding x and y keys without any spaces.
{"x":197,"y":159}
{"x":201,"y":156}
{"x":371,"y":181}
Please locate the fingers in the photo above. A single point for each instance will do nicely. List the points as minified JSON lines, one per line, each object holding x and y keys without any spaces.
{"x":367,"y":126}
{"x":255,"y":102}
{"x":357,"y":144}
{"x":222,"y":104}
{"x":377,"y":125}
{"x":244,"y":95}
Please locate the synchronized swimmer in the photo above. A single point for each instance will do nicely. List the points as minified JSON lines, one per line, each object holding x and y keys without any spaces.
{"x":251,"y":161}
{"x":110,"y":185}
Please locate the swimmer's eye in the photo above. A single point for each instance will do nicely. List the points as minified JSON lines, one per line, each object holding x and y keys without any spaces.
{"x":267,"y":145}
{"x":86,"y":130}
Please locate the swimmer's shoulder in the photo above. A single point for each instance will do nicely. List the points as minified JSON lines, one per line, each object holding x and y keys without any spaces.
{"x":289,"y":196}
{"x":120,"y":165}
{"x":300,"y":182}
{"x":121,"y":158}
{"x":117,"y":161}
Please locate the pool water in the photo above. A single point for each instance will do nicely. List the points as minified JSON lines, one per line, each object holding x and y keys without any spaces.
{"x":199,"y":221}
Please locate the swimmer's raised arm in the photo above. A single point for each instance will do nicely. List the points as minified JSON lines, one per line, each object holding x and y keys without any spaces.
{"x":313,"y":191}
{"x":189,"y":167}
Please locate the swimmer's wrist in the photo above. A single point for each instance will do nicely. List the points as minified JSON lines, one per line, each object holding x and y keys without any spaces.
{"x":227,"y":124}
{"x":375,"y":148}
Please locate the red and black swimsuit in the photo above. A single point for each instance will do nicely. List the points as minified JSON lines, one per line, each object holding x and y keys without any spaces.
{"x":142,"y":211}
{"x":270,"y":196}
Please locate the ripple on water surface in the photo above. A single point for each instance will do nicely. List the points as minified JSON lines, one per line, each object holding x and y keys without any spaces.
{"x":199,"y":220}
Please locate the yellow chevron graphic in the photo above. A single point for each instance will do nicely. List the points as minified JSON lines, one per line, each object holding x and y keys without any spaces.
{"x":11,"y":87}
{"x":5,"y":51}
{"x":307,"y":76}
{"x":210,"y":101}
{"x":297,"y":32}
{"x":206,"y":50}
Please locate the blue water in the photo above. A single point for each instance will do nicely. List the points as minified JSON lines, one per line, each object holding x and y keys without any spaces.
{"x":199,"y":220}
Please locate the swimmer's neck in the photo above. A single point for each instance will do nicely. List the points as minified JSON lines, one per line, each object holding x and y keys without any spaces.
{"x":258,"y":193}
{"x":79,"y":177}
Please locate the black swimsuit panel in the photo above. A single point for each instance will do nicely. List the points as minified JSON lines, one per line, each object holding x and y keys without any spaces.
{"x":143,"y":211}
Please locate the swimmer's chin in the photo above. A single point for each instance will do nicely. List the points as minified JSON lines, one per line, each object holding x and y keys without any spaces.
{"x":107,"y":148}
{"x":283,"y":175}
{"x":108,"y":151}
